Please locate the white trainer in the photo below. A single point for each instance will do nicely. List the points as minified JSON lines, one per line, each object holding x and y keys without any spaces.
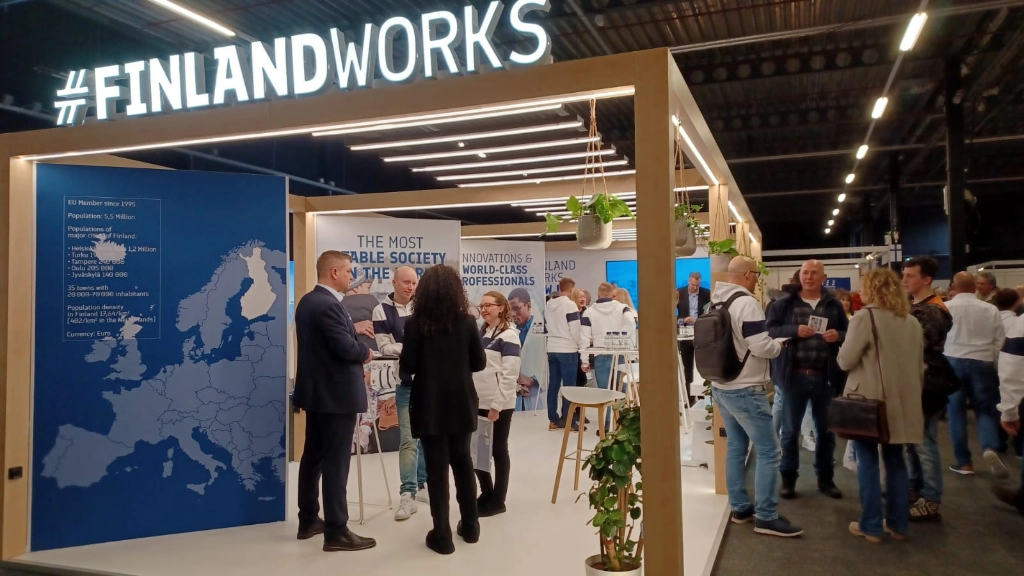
{"x":999,"y":469}
{"x":423,"y":496}
{"x":406,"y":508}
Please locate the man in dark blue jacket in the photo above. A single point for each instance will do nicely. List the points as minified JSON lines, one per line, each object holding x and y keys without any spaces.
{"x":807,"y":370}
{"x":329,"y":386}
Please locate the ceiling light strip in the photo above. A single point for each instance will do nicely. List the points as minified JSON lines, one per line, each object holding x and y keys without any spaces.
{"x":492,"y":150}
{"x":735,"y":212}
{"x":511,"y":161}
{"x":414,"y":122}
{"x":194,"y":16}
{"x":526,"y":235}
{"x":428,"y":119}
{"x":700,"y":159}
{"x":562,"y":199}
{"x":468,"y":137}
{"x":524,"y":172}
{"x":545,"y":180}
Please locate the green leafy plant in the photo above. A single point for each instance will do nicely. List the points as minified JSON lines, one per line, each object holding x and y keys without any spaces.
{"x":607,"y":207}
{"x":615,"y":498}
{"x":686,"y":211}
{"x":725,"y":247}
{"x":709,"y":410}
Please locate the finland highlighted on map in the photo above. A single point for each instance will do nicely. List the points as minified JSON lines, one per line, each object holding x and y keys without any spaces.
{"x":106,"y":251}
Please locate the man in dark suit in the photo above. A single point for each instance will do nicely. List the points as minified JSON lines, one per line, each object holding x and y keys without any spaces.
{"x":692,"y":301}
{"x":329,"y":386}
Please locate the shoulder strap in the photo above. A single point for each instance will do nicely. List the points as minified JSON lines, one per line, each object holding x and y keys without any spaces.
{"x":878,"y":350}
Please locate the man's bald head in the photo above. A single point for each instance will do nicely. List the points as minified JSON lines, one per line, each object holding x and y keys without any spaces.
{"x":812,"y":276}
{"x":404,"y":283}
{"x":964,"y":282}
{"x":743,"y":272}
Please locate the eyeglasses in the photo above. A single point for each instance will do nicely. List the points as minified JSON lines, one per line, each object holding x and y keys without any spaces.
{"x":487,"y":305}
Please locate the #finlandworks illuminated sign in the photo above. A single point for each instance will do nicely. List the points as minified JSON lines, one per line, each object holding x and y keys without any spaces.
{"x":303,"y":64}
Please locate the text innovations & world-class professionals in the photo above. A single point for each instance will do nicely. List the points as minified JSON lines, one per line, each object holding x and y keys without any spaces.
{"x":496,"y":269}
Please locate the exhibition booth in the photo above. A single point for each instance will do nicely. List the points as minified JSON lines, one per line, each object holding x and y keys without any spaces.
{"x":146,"y":335}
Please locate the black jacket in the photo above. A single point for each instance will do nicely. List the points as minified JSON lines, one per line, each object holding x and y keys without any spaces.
{"x":780,"y":325}
{"x":683,"y":308}
{"x":441,"y":367}
{"x":329,"y":370}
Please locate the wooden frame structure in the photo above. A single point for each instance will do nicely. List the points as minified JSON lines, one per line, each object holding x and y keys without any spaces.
{"x":660,"y":93}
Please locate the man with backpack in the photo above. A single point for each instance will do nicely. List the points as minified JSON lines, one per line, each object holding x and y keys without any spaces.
{"x":808,"y":373}
{"x":732,"y":349}
{"x":939,"y":382}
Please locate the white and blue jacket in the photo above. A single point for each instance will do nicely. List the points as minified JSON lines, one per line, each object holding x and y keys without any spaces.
{"x":1011,"y":371}
{"x":562,"y":325}
{"x":389,"y":325}
{"x":749,"y":332}
{"x":496,"y":383}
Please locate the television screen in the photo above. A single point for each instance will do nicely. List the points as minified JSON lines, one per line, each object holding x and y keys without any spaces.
{"x":623,"y":273}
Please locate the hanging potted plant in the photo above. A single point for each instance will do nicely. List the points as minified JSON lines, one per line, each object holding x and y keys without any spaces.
{"x":616,"y":499}
{"x":687,"y":229}
{"x":721,"y":252}
{"x":592,"y":211}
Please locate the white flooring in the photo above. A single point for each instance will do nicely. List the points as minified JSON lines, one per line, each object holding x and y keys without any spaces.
{"x":533,"y":537}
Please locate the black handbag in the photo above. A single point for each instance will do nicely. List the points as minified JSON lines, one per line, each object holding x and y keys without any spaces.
{"x":855,"y":417}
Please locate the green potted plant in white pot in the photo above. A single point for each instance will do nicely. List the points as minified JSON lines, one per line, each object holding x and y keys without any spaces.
{"x":720,"y":252}
{"x":616,"y":498}
{"x":593,"y":219}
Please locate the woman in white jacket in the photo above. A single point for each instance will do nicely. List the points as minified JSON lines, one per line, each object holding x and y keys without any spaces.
{"x":496,"y":387}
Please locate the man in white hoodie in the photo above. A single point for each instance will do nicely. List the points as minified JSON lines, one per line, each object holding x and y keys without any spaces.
{"x":743,"y":404}
{"x":562,"y":325}
{"x":1011,"y":392}
{"x":604,"y":316}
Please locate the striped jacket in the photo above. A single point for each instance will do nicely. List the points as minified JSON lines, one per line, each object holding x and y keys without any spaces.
{"x":1011,"y":371}
{"x":496,"y":383}
{"x":389,"y":325}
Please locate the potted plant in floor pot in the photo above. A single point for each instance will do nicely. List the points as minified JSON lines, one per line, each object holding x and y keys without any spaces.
{"x":720,"y":253}
{"x":593,"y":219}
{"x":687,"y":228}
{"x":616,"y":498}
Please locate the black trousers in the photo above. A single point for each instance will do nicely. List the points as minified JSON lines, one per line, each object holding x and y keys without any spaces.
{"x":493,"y":492}
{"x":327,"y":453}
{"x":686,"y":350}
{"x":442,"y":453}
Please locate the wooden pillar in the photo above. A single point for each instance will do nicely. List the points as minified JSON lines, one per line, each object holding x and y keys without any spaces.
{"x":659,"y":406}
{"x":17,"y":188}
{"x":304,"y":255}
{"x":718,"y":206}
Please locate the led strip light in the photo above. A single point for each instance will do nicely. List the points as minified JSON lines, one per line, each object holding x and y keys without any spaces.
{"x":467,"y":137}
{"x":492,"y":150}
{"x":524,"y":172}
{"x":544,"y":180}
{"x":510,"y":161}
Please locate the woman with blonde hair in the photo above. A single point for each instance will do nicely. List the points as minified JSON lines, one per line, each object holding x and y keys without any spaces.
{"x":884,"y":355}
{"x":622,"y":295}
{"x":496,"y":387}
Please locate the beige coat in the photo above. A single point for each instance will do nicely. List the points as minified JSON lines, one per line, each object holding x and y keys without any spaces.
{"x":901,"y":342}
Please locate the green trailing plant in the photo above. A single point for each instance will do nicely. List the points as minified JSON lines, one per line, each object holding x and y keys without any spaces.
{"x":686,"y":211}
{"x":725,"y":247}
{"x":709,"y":410}
{"x":614,"y":497}
{"x":605,"y":206}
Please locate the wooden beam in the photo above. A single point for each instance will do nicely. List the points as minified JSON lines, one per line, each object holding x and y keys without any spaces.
{"x":297,"y":204}
{"x":659,"y":397}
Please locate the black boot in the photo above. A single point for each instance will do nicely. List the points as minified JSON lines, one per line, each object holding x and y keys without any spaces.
{"x":829,"y":488}
{"x":1012,"y":496}
{"x":788,"y":490}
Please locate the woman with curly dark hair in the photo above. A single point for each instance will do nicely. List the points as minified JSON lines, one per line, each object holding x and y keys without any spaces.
{"x":441,"y":351}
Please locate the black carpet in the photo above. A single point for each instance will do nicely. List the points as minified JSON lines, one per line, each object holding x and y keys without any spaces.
{"x":978,"y":535}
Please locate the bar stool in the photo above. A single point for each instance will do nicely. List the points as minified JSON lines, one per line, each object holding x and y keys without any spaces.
{"x":629,"y":380}
{"x":579,"y":400}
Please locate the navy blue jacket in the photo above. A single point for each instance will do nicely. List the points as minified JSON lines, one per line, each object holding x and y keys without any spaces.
{"x":329,"y":368}
{"x":781,"y":325}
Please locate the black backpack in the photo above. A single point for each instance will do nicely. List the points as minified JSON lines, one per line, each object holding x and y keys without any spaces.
{"x":714,"y":351}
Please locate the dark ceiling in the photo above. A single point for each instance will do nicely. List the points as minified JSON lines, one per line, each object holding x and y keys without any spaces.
{"x":787,"y":87}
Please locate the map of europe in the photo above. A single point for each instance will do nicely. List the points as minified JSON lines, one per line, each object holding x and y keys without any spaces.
{"x":226,"y":388}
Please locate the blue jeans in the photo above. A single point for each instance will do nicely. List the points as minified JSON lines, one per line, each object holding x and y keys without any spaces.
{"x":801,"y":390}
{"x":561,"y":372}
{"x":412,"y":467}
{"x":748,"y":420}
{"x":897,"y":506}
{"x":778,"y":407}
{"x":979,"y":382}
{"x":924,"y":467}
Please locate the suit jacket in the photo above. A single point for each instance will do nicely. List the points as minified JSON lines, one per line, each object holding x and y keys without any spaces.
{"x":441,"y":366}
{"x":683,"y":308}
{"x":329,"y":371}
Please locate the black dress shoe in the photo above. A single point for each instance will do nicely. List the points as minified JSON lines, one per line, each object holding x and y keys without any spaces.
{"x":490,"y":510}
{"x":307,"y":532}
{"x":470,"y":535}
{"x":829,"y":488}
{"x":788,"y":490}
{"x":348,"y":543}
{"x":438,"y":546}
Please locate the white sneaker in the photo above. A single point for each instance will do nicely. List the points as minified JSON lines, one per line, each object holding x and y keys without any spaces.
{"x":809,"y":444}
{"x":999,"y":469}
{"x":406,"y":508}
{"x":423,"y":496}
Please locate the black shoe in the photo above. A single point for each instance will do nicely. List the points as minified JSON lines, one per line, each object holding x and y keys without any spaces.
{"x":742,"y":517}
{"x":348,"y":543}
{"x":1012,"y":496}
{"x":470,"y":535}
{"x":788,"y":490}
{"x":491,"y":510}
{"x":440,"y":547}
{"x":778,"y":527}
{"x":307,"y":532}
{"x":829,"y":488}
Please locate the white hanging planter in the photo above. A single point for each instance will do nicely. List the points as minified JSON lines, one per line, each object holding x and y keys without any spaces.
{"x":591,"y":571}
{"x":592,"y":233}
{"x":720,"y":263}
{"x":686,"y":240}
